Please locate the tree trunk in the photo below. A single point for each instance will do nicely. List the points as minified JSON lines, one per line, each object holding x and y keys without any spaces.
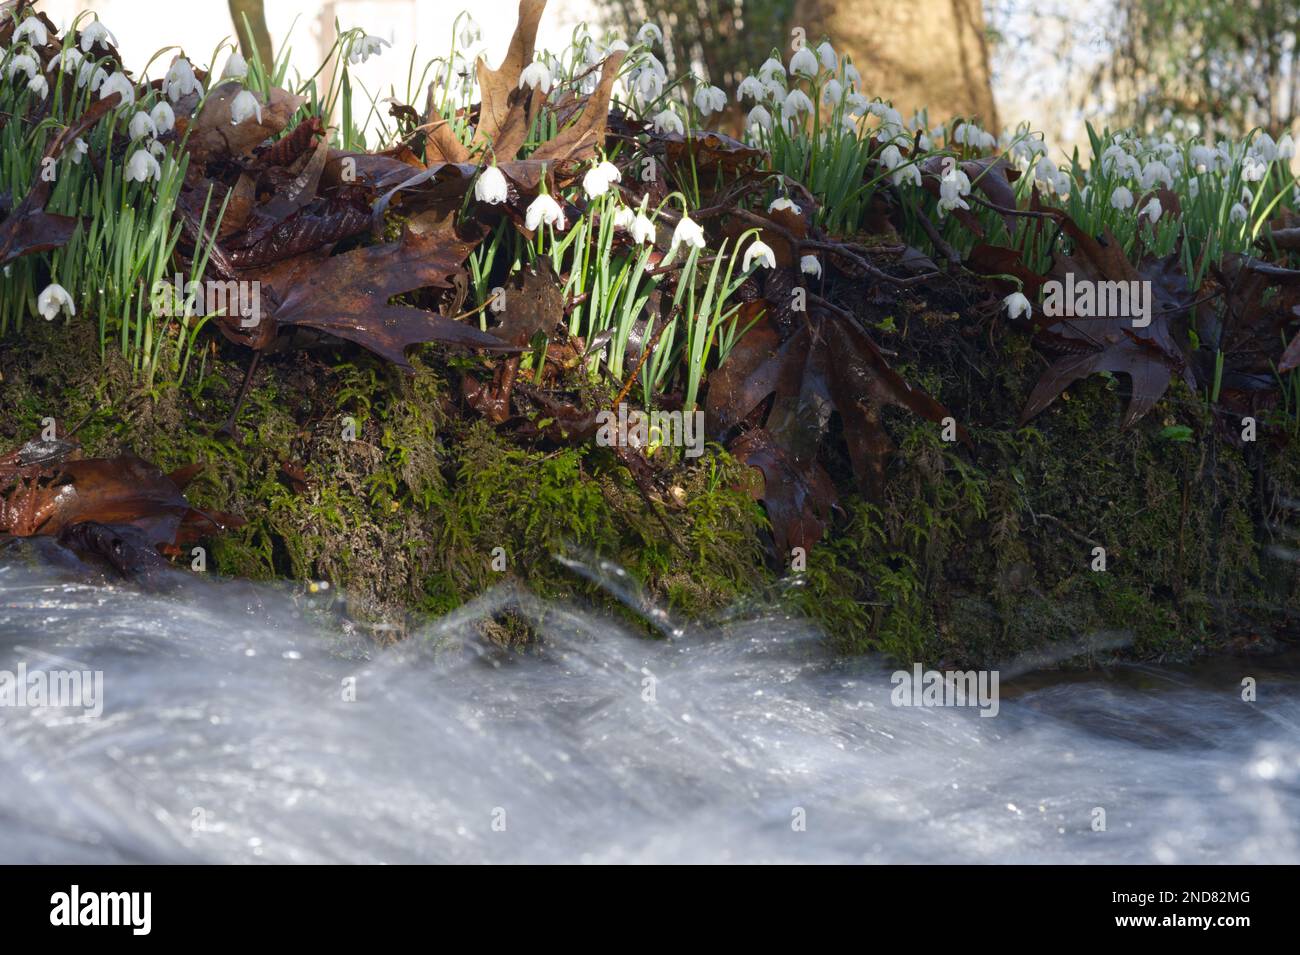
{"x":260,"y":40}
{"x":931,"y":54}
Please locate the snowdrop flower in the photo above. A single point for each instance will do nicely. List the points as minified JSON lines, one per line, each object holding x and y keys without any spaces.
{"x":92,"y":74}
{"x":469,"y":31}
{"x":833,"y":93}
{"x":804,"y":62}
{"x":796,"y":102}
{"x":77,"y":151}
{"x":649,"y":35}
{"x":1062,"y":184}
{"x":95,"y":32}
{"x":366,"y":47}
{"x":141,"y":126}
{"x":771,"y":68}
{"x":891,"y":157}
{"x":909,"y":173}
{"x":1286,"y":147}
{"x":142,"y":167}
{"x":1264,"y":147}
{"x":1204,"y":158}
{"x":68,"y":61}
{"x":783,"y":204}
{"x":1252,"y":169}
{"x":643,"y":230}
{"x":1152,"y":210}
{"x":775,"y":89}
{"x":22,"y":61}
{"x":810,"y":265}
{"x":688,"y":231}
{"x":33,"y":30}
{"x":1194,"y":186}
{"x":760,"y":117}
{"x":826,"y":53}
{"x":536,"y":75}
{"x":856,"y":103}
{"x":669,"y":122}
{"x":954,"y":183}
{"x":53,"y":300}
{"x":39,"y":85}
{"x":598,"y":179}
{"x":760,"y":250}
{"x":180,"y":80}
{"x":852,"y":75}
{"x":118,"y":83}
{"x":544,"y":211}
{"x":710,"y":99}
{"x":1238,"y":213}
{"x":624,"y":216}
{"x":1017,"y":305}
{"x":157,"y":149}
{"x":648,"y":81}
{"x":1121,"y":198}
{"x":236,"y":67}
{"x":246,"y":104}
{"x":1154,"y":172}
{"x":490,"y":186}
{"x":751,"y":87}
{"x":163,"y":117}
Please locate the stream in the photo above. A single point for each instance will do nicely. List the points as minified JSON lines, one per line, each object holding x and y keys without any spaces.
{"x":238,"y":725}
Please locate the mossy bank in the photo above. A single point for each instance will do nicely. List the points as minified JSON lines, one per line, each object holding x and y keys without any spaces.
{"x":380,"y":483}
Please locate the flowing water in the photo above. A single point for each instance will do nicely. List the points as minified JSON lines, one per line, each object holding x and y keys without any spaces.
{"x":236,"y":727}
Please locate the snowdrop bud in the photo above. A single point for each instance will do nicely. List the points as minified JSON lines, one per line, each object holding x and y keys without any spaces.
{"x":1151,"y":210}
{"x":804,"y":62}
{"x":142,"y":167}
{"x":751,"y":87}
{"x":710,"y":99}
{"x":1238,"y":213}
{"x":826,"y":53}
{"x":490,"y":187}
{"x":246,"y":104}
{"x":649,"y":35}
{"x":1017,"y":305}
{"x":668,"y":122}
{"x":33,"y":30}
{"x":760,"y":250}
{"x":536,"y":75}
{"x":53,"y":300}
{"x":95,"y":32}
{"x":544,"y":211}
{"x":760,"y":117}
{"x":366,"y":47}
{"x":1121,"y":198}
{"x":810,"y":265}
{"x":782,"y":204}
{"x":236,"y":67}
{"x":164,"y":118}
{"x":141,"y":126}
{"x":118,"y":83}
